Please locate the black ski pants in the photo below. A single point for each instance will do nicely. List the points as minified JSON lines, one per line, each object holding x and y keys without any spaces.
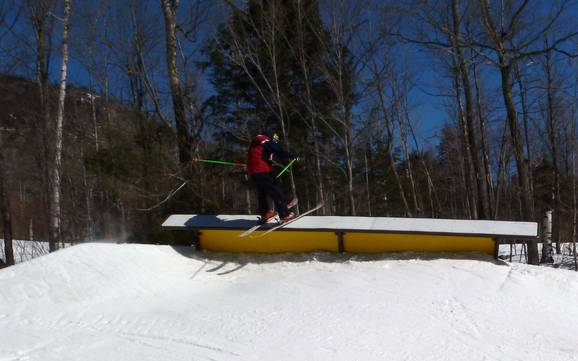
{"x":268,"y":187}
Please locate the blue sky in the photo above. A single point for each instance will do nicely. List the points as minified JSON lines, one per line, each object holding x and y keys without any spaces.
{"x":426,"y":99}
{"x":429,"y":109}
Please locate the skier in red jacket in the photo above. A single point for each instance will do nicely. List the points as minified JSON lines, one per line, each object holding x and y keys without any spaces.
{"x":265,"y":149}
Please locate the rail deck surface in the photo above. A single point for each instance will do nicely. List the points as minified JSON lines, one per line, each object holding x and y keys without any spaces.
{"x":352,"y":234}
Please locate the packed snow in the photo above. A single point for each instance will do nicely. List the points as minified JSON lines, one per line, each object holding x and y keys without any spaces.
{"x":146,"y":302}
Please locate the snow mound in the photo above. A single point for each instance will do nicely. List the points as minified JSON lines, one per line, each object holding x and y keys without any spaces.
{"x":145,"y":302}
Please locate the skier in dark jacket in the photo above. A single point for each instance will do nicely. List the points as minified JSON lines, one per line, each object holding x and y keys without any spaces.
{"x":265,"y":149}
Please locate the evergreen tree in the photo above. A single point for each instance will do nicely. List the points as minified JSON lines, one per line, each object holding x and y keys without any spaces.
{"x":268,"y":67}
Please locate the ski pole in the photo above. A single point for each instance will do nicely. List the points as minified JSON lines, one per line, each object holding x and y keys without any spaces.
{"x":286,"y":167}
{"x":221,"y":162}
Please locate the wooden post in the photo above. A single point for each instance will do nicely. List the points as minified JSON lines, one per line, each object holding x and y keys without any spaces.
{"x":547,"y":238}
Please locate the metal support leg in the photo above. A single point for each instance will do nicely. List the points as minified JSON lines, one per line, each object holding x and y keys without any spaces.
{"x":496,"y":248}
{"x":196,"y":242}
{"x":340,"y":242}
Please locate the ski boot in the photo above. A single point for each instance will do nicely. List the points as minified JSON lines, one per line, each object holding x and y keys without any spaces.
{"x":267,"y":216}
{"x":288,"y":217}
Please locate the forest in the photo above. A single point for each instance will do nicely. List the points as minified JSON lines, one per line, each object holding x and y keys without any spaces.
{"x":462,"y":109}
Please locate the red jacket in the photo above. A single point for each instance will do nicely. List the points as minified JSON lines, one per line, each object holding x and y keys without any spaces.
{"x":261,"y":152}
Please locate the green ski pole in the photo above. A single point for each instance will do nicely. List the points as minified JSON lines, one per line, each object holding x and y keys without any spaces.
{"x":221,"y":162}
{"x":286,"y":167}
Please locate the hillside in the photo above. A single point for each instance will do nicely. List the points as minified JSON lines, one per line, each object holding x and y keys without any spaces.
{"x":145,"y":302}
{"x":113,"y":154}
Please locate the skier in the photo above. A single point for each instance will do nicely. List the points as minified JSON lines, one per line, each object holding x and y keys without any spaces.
{"x":264,"y":149}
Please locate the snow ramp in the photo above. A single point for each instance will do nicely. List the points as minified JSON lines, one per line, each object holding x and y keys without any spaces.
{"x":146,"y":302}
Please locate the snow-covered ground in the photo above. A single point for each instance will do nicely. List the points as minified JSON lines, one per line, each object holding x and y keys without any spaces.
{"x":145,"y":302}
{"x":517,"y":253}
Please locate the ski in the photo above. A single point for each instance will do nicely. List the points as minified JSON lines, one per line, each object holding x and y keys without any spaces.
{"x":251,"y":230}
{"x":290,"y":205}
{"x":256,"y":227}
{"x":290,"y":221}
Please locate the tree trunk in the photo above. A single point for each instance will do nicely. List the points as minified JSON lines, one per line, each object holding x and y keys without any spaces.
{"x":402,"y":117}
{"x":503,"y":159}
{"x":39,"y":15}
{"x":320,"y":187}
{"x":184,"y":141}
{"x":389,"y":150}
{"x":574,"y":205}
{"x":526,"y":119}
{"x":368,"y":193}
{"x":304,"y":67}
{"x":55,"y":204}
{"x":432,"y":194}
{"x":5,"y":212}
{"x":470,"y":136}
{"x":390,"y":139}
{"x":88,"y":198}
{"x":393,"y":168}
{"x":349,"y":162}
{"x":547,"y":238}
{"x":552,"y":129}
{"x":467,"y":164}
{"x":484,"y":146}
{"x":521,"y":165}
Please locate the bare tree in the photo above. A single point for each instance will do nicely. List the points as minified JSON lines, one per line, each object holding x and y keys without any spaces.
{"x":89,"y":48}
{"x":383,"y":106}
{"x":511,"y":39}
{"x":401,"y":113}
{"x":440,"y":26}
{"x":39,"y":16}
{"x":55,"y":204}
{"x":523,"y":91}
{"x":170,"y":10}
{"x":484,"y":142}
{"x":306,"y":66}
{"x":348,"y":55}
{"x":552,"y":130}
{"x":470,"y":133}
{"x":341,"y":67}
